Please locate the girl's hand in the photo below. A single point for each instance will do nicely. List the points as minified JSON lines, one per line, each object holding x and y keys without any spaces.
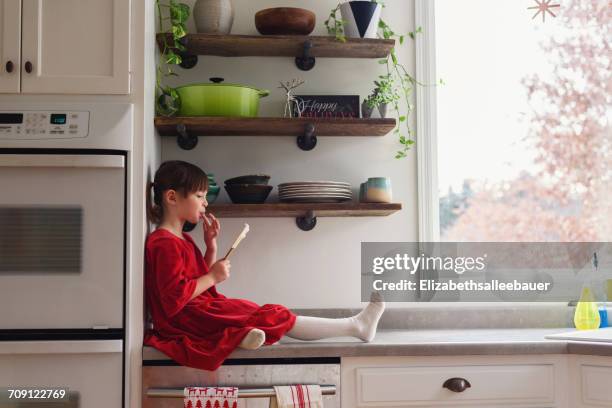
{"x":211,"y":226}
{"x":220,"y":270}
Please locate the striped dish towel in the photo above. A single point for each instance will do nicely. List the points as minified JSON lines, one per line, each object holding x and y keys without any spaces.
{"x":210,"y":397}
{"x":297,"y":396}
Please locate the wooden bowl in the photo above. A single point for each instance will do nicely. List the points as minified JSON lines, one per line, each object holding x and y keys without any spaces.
{"x":285,"y":21}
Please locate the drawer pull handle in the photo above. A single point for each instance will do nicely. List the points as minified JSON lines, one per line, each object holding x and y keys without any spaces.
{"x":9,"y":66}
{"x":457,"y":384}
{"x":265,"y":392}
{"x":28,"y":67}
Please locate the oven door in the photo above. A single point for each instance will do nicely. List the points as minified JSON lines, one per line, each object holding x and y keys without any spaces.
{"x":87,"y":373}
{"x":62,"y":241}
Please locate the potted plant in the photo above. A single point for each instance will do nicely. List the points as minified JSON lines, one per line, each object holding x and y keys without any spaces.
{"x":396,"y":85}
{"x":382,"y":95}
{"x":167,"y":101}
{"x":360,"y":19}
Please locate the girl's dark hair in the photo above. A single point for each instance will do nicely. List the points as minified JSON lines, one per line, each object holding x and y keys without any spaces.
{"x":183,"y":177}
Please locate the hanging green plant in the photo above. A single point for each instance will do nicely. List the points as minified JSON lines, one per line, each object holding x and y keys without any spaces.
{"x":167,"y":101}
{"x":335,"y":26}
{"x":393,"y":87}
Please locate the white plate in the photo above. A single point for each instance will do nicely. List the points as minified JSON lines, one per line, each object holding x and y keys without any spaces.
{"x":314,"y":190}
{"x":316,"y":199}
{"x":315,"y":183}
{"x":316,"y":194}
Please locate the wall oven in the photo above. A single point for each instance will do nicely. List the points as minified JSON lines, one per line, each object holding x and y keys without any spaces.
{"x":63,"y":234}
{"x":63,"y":173}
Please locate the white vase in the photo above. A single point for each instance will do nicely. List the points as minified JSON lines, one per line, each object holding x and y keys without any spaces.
{"x":213,"y":16}
{"x":361,"y":18}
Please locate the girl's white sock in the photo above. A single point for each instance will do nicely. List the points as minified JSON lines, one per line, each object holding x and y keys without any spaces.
{"x":367,"y":319}
{"x":253,"y":340}
{"x":362,"y":325}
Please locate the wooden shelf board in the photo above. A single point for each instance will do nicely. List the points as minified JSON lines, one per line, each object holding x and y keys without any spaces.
{"x":283,"y":46}
{"x":350,"y":209}
{"x":226,"y":126}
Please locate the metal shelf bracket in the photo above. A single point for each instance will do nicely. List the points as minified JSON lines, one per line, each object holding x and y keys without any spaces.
{"x":306,"y":222}
{"x":306,"y":62}
{"x":185,"y":140}
{"x":308,"y":140}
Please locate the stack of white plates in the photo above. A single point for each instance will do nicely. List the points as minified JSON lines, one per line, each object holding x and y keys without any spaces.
{"x":315,"y":192}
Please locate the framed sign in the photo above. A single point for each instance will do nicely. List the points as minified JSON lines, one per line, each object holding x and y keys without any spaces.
{"x":326,"y":106}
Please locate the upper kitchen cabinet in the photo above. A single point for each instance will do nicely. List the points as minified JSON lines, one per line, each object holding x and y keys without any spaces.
{"x":68,"y":46}
{"x":10,"y":49}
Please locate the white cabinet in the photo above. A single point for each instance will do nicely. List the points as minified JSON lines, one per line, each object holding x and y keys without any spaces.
{"x":10,"y":47}
{"x":591,"y":378}
{"x":67,"y":46}
{"x":470,"y":381}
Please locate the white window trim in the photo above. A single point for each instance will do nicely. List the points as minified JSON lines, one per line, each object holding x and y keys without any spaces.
{"x":426,"y":127}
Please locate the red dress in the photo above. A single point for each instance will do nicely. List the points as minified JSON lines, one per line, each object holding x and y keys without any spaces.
{"x":200,"y":333}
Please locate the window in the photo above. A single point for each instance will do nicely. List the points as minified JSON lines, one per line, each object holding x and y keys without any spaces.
{"x":521,"y":146}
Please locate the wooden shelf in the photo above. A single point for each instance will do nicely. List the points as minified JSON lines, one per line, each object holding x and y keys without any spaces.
{"x":187,"y":129}
{"x":350,"y":209}
{"x":283,"y":46}
{"x":226,"y":126}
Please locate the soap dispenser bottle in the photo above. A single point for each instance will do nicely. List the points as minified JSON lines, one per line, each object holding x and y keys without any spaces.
{"x":586,"y":316}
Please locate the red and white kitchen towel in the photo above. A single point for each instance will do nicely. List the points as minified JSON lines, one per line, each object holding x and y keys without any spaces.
{"x":297,"y":396}
{"x":210,"y":397}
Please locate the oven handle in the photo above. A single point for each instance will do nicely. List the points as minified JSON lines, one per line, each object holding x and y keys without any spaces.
{"x":62,"y":160}
{"x":60,"y":347}
{"x":267,"y":392}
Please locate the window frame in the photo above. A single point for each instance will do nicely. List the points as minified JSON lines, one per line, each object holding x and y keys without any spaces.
{"x":426,"y":125}
{"x":428,"y":201}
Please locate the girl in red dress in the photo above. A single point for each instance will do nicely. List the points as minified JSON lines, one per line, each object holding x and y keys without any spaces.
{"x":194,"y":324}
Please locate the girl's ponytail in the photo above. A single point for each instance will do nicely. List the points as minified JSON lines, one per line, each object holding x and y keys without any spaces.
{"x":154,"y":211}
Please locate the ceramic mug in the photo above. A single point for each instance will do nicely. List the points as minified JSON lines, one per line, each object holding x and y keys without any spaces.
{"x":378,"y":190}
{"x":362,"y":192}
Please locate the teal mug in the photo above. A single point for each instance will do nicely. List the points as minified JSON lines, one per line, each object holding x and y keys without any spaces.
{"x":378,"y":190}
{"x":362,"y":192}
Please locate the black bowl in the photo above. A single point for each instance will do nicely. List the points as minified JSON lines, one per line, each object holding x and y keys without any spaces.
{"x":248,"y":193}
{"x":261,"y":179}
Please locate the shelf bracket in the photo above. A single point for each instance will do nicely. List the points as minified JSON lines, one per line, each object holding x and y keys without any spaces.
{"x":184,"y":139}
{"x":308,"y":140}
{"x":306,"y":222}
{"x":305,"y":62}
{"x":188,"y":60}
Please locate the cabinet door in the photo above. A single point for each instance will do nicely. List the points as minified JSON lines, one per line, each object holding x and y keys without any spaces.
{"x":76,"y":46}
{"x":10,"y":45}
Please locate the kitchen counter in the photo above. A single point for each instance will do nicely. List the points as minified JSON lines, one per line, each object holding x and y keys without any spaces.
{"x":424,"y":343}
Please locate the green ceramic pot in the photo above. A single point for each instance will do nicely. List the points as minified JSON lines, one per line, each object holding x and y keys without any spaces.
{"x":218,"y":99}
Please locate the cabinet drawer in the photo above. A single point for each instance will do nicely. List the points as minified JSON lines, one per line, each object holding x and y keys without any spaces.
{"x":506,"y":385}
{"x":596,"y":385}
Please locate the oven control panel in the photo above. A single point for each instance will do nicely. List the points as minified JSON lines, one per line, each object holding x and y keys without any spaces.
{"x":43,"y":124}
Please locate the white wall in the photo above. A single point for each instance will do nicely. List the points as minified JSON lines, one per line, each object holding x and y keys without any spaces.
{"x":278,"y":263}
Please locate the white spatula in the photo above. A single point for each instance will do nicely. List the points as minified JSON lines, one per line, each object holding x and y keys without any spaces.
{"x":237,"y":241}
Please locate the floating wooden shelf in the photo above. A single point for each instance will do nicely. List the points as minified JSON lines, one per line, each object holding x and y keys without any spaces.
{"x":224,"y":126}
{"x":186,"y":129}
{"x":283,"y":46}
{"x":305,"y":213}
{"x":350,"y":209}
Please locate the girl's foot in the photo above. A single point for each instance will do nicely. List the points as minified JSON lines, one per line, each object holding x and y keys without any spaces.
{"x":253,"y":340}
{"x":367,"y":320}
